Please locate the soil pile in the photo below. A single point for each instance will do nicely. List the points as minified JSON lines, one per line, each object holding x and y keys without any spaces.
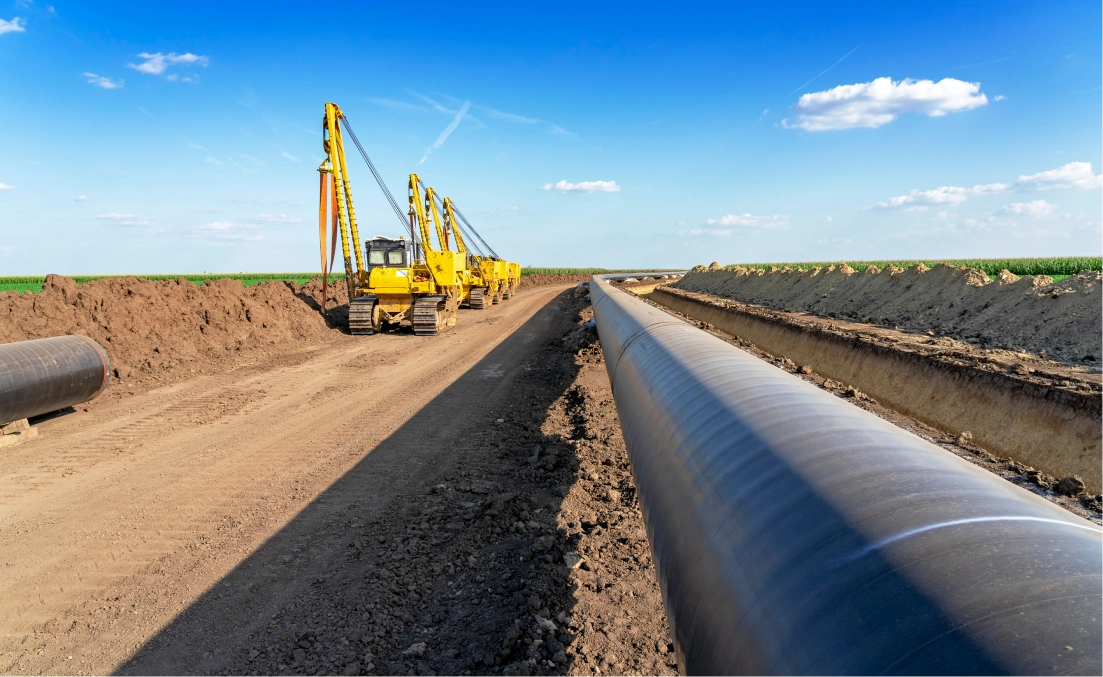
{"x":156,"y":330}
{"x":546,"y":279}
{"x":1059,"y":321}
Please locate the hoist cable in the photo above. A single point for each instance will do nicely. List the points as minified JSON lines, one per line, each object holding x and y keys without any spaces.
{"x":378,"y":179}
{"x":472,"y":229}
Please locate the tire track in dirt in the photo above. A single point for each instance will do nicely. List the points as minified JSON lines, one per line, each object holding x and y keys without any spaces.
{"x":113,"y":521}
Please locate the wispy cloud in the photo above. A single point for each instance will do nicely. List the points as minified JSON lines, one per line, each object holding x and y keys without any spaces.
{"x":289,"y":156}
{"x":447,"y":131}
{"x":145,"y":112}
{"x":276,"y":218}
{"x":1039,"y":209}
{"x":80,"y":198}
{"x":103,"y":82}
{"x":730,"y":223}
{"x":4,"y":186}
{"x":982,"y":63}
{"x":126,"y":219}
{"x":877,"y":103}
{"x":822,"y":72}
{"x":16,"y":25}
{"x":583,"y":187}
{"x":227,"y":231}
{"x":196,"y":146}
{"x":157,"y":63}
{"x":1072,"y":175}
{"x":396,"y":105}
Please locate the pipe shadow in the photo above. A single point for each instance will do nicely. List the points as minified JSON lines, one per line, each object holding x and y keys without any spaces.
{"x":432,"y":555}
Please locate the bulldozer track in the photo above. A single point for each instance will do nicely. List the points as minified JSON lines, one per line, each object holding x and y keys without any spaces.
{"x":427,"y":315}
{"x":478,"y":298}
{"x":361,"y":312}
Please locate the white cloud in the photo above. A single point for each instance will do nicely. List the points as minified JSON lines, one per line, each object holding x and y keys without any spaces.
{"x":1039,"y":209}
{"x":126,"y":219}
{"x":583,"y":187}
{"x":157,"y":63}
{"x":4,"y":186}
{"x":277,"y":218}
{"x":227,"y":230}
{"x":778,"y":221}
{"x":949,"y":195}
{"x":447,"y":131}
{"x":80,"y":198}
{"x":101,"y":81}
{"x":289,"y":156}
{"x":877,"y":103}
{"x":999,"y":97}
{"x":16,"y":25}
{"x":1072,"y":175}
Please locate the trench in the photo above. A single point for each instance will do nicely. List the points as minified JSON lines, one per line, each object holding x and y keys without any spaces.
{"x":1055,"y":430}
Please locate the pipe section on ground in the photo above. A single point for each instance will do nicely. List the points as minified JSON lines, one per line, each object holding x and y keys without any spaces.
{"x":44,"y":375}
{"x":794,"y":533}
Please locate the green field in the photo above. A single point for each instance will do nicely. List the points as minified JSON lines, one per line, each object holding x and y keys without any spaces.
{"x":34,"y":283}
{"x":1057,"y":267}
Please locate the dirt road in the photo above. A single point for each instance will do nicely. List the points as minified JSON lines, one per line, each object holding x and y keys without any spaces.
{"x":221,"y":489}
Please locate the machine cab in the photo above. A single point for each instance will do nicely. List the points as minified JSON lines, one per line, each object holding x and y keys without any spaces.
{"x":386,"y":253}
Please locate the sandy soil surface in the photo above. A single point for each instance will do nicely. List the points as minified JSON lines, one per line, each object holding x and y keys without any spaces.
{"x":1059,"y":321}
{"x":385,"y":504}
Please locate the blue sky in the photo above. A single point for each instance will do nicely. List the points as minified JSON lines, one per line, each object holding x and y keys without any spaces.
{"x":149,"y":137}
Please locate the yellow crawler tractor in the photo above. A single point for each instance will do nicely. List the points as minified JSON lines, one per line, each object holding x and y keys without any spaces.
{"x":402,"y":281}
{"x":492,"y":278}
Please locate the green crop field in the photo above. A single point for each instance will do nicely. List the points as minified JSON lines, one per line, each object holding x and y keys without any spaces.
{"x":34,"y":283}
{"x":1057,"y":267}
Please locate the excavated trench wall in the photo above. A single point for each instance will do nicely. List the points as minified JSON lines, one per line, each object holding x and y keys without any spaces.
{"x":1052,"y":429}
{"x":1058,"y":321}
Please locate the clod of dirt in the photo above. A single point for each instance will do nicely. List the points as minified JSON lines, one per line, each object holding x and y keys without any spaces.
{"x":1070,"y":486}
{"x":1060,"y":320}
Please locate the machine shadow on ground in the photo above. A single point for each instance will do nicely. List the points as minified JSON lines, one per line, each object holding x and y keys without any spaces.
{"x":426,"y":557}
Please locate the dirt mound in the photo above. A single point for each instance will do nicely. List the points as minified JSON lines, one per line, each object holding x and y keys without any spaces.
{"x":1059,"y":321}
{"x":546,"y":279}
{"x":155,"y":331}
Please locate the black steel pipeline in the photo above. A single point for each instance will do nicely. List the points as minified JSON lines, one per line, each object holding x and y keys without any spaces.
{"x":794,"y":533}
{"x":48,"y":374}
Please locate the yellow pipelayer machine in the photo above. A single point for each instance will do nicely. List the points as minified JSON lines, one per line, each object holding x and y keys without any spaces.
{"x":399,"y":281}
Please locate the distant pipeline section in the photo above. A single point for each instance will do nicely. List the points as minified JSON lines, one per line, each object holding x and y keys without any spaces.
{"x":796,"y":534}
{"x":44,"y":375}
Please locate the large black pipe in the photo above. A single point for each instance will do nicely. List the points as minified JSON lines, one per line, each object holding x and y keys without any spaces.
{"x":48,"y":374}
{"x":794,"y":533}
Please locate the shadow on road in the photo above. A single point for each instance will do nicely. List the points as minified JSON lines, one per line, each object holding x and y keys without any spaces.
{"x":414,"y":560}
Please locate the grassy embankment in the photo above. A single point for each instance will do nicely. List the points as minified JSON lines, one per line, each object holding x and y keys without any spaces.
{"x":34,"y":283}
{"x":1056,"y":267}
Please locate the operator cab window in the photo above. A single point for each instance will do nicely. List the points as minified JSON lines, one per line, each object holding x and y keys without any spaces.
{"x":394,"y":257}
{"x":375,"y":257}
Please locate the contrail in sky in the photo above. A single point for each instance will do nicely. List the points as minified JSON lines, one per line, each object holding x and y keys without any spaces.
{"x":828,"y":68}
{"x":447,"y":130}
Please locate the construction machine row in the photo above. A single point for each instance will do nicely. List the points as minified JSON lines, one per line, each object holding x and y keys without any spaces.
{"x":419,"y":282}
